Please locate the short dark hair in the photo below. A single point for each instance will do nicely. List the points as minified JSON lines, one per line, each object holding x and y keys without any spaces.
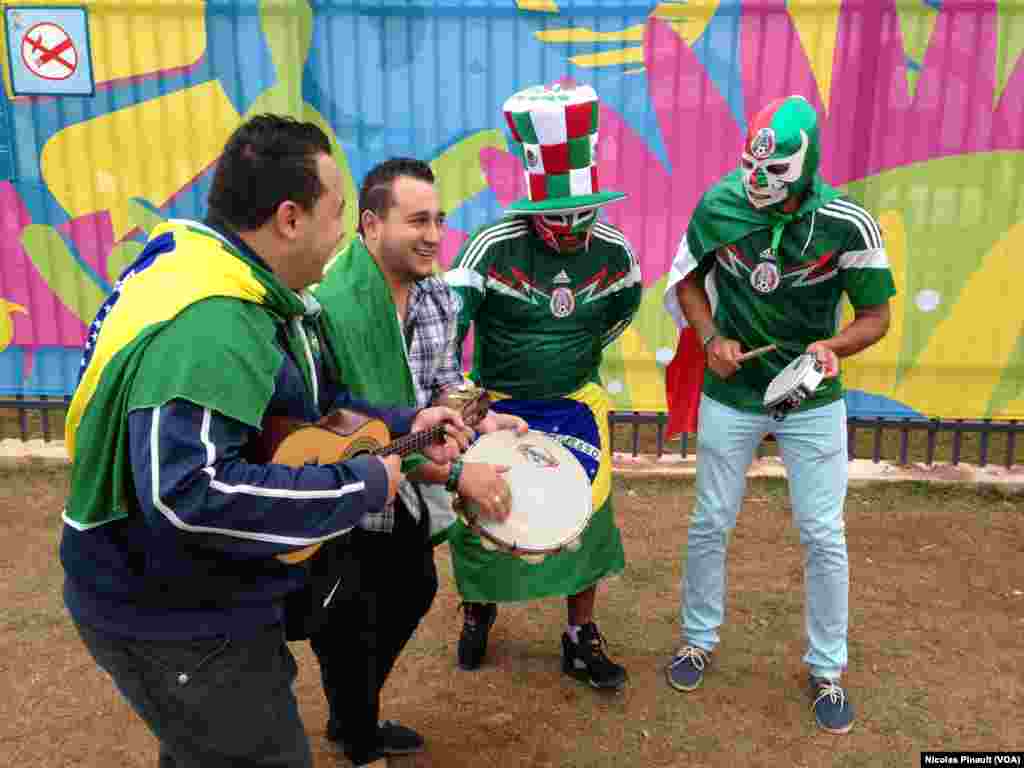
{"x":377,"y":192}
{"x":267,"y":160}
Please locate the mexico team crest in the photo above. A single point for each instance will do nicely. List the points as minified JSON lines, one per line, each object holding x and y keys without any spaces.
{"x":563,"y":302}
{"x":765,"y":277}
{"x":763,"y":144}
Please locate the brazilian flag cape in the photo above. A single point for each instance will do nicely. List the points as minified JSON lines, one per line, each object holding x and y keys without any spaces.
{"x":220,"y":354}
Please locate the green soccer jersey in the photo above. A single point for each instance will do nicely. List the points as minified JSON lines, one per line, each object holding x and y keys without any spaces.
{"x":791,"y":300}
{"x":541,"y":318}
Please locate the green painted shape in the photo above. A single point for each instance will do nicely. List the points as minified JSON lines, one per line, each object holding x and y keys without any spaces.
{"x":62,"y":273}
{"x":1011,"y":383}
{"x":288,"y":29}
{"x":652,"y":322}
{"x":917,"y":23}
{"x":120,"y":256}
{"x":144,"y":215}
{"x":613,"y":368}
{"x":954,"y":210}
{"x":457,"y":169}
{"x":1010,"y":42}
{"x":655,"y":326}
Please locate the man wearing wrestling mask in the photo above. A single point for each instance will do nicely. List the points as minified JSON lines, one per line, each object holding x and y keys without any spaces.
{"x":777,"y":248}
{"x":547,"y":288}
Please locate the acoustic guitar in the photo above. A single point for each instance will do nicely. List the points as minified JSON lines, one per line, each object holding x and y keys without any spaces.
{"x":345,"y":434}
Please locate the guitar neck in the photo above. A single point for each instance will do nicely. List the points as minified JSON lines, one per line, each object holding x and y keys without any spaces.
{"x":412,"y":442}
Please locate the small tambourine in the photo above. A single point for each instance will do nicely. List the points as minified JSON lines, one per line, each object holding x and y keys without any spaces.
{"x":551,"y":495}
{"x":794,"y":383}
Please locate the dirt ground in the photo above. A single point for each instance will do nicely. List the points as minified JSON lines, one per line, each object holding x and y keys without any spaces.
{"x":936,"y":660}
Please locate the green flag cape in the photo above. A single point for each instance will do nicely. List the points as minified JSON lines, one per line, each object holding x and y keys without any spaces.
{"x":724,"y":215}
{"x":361,"y":323}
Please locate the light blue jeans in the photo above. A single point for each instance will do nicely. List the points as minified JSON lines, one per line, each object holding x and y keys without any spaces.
{"x":813,"y":448}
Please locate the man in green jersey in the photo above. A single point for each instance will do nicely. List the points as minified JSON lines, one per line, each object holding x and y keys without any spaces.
{"x":778,"y":247}
{"x":547,"y":288}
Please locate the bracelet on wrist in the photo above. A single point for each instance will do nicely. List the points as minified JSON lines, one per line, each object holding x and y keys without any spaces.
{"x":454,"y":473}
{"x":707,"y":340}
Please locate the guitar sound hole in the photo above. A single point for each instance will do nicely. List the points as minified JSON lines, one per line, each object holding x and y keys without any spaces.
{"x":361,"y":445}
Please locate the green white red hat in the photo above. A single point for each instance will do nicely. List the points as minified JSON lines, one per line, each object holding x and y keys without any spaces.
{"x":555,"y":135}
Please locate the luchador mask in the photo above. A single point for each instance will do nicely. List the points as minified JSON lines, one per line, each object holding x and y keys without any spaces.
{"x":565,"y":232}
{"x":780,"y":157}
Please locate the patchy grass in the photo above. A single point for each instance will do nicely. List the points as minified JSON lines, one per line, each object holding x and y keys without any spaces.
{"x":937,"y":587}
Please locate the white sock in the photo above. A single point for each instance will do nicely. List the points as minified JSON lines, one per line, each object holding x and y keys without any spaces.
{"x":574,"y":632}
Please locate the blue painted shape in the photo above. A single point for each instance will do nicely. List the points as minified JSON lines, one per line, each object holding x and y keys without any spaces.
{"x":865,"y":405}
{"x":54,"y":371}
{"x":376,"y":76}
{"x":6,"y":139}
{"x":237,"y":52}
{"x":718,"y":51}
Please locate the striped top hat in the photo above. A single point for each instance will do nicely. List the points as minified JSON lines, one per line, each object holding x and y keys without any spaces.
{"x":555,"y":130}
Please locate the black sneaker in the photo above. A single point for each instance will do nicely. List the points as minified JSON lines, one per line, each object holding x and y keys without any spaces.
{"x":586,"y":660}
{"x":392,"y":739}
{"x":476,"y":624}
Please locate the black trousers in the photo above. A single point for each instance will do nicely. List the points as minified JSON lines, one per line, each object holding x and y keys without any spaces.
{"x":388,"y":587}
{"x":223,"y":702}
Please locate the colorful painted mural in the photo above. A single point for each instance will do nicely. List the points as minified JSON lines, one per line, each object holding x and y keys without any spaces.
{"x":922,"y":107}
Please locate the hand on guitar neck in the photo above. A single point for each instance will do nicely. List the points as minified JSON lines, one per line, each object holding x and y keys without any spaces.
{"x":440,"y":433}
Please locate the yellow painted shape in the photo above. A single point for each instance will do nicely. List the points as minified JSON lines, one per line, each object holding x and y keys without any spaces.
{"x":874,"y":369}
{"x":457,"y":169}
{"x":1014,"y":409}
{"x":817,"y":26}
{"x":545,"y":6}
{"x":135,"y":37}
{"x":634,"y":34}
{"x":645,"y":380}
{"x":609,"y":58}
{"x":957,"y":373}
{"x":7,"y":308}
{"x":689,"y":18}
{"x":150,"y":150}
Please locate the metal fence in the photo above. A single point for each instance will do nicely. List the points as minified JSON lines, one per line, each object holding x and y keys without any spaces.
{"x":978,"y":441}
{"x":982,"y":442}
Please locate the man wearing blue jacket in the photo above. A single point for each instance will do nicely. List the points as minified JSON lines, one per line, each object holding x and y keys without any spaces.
{"x":173,"y":523}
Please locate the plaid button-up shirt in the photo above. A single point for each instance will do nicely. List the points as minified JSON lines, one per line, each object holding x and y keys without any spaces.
{"x":429,"y":333}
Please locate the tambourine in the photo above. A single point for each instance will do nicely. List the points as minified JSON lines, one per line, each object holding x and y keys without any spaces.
{"x":793,"y":384}
{"x":551,"y":495}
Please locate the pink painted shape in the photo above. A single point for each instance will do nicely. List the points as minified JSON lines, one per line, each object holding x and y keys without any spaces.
{"x":450,"y":245}
{"x":49,"y":322}
{"x":951,"y":112}
{"x":701,"y":139}
{"x":1008,"y":122}
{"x":93,"y":236}
{"x":773,"y":62}
{"x":958,"y":80}
{"x":504,"y":174}
{"x":856,"y":142}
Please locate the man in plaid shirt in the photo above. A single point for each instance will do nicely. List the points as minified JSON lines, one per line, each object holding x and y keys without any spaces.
{"x":396,"y":323}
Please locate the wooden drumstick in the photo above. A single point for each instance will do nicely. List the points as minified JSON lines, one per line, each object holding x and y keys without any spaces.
{"x":755,"y":353}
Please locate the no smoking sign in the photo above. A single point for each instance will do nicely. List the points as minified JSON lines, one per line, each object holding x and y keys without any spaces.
{"x":48,"y":51}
